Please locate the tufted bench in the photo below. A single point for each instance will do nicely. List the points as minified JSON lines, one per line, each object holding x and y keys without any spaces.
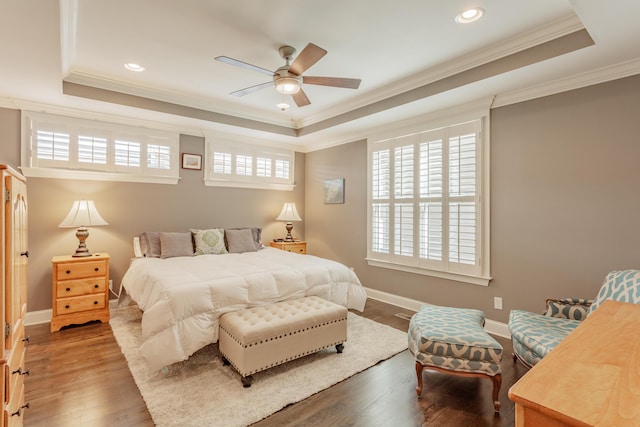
{"x":453,"y":340}
{"x":258,"y":338}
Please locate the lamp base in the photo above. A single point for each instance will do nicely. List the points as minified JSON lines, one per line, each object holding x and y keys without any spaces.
{"x":82,"y":250}
{"x":289,"y":237}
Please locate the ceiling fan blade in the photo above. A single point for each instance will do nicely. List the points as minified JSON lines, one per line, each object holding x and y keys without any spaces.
{"x":241,"y":64}
{"x":332,"y":81}
{"x":251,"y":89}
{"x":301,"y":98}
{"x":309,"y":56}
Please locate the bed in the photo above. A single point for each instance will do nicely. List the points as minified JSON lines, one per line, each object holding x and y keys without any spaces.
{"x":182,"y":297}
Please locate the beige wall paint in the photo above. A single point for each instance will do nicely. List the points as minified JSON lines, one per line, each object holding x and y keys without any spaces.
{"x":131,"y":208}
{"x":565,"y":203}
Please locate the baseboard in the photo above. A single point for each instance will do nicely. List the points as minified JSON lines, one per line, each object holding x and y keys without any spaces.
{"x":38,"y":317}
{"x":492,"y":326}
{"x":44,"y":316}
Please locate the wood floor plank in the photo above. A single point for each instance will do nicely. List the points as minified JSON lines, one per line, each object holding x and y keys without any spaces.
{"x":79,"y":377}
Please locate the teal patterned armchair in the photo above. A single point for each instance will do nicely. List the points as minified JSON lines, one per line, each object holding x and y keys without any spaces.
{"x":535,"y":335}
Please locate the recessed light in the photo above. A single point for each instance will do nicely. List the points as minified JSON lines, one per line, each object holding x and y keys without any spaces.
{"x":134,"y":67}
{"x":470,"y":15}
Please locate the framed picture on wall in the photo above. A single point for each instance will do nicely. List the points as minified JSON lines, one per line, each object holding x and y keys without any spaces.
{"x":191,"y":161}
{"x":334,"y":191}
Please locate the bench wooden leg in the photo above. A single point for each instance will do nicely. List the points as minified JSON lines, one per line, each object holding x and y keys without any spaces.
{"x":497,"y":382}
{"x":340,"y":347}
{"x":419,"y":369}
{"x":246,"y":381}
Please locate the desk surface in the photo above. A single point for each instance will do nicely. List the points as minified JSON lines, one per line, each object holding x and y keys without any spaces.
{"x":593,"y":376}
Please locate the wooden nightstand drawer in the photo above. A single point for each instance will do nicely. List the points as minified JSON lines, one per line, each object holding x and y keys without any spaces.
{"x":296,"y":247}
{"x":78,"y":270}
{"x":92,"y":285}
{"x":80,"y":303}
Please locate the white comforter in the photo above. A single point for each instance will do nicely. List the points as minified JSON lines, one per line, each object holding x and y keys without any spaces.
{"x":183,"y":297}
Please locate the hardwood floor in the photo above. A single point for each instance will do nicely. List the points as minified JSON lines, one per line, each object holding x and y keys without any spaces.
{"x":79,"y":377}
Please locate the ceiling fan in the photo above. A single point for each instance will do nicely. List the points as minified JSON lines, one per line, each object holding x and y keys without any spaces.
{"x":288,"y":79}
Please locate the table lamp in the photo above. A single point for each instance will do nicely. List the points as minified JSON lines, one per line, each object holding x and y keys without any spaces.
{"x":83,"y":214}
{"x":289,"y":213}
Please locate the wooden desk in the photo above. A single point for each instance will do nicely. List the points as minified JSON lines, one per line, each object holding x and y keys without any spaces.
{"x":592,"y":378}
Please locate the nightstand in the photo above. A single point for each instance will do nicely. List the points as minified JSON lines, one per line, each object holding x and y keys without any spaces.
{"x":297,"y":247}
{"x":80,"y":290}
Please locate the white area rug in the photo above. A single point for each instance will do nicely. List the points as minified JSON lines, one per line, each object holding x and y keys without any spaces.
{"x":202,"y":392}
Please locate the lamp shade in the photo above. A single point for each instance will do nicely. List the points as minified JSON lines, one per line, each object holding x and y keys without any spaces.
{"x":289,"y":213}
{"x":83,"y":213}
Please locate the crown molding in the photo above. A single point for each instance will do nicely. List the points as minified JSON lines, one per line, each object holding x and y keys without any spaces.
{"x":576,"y":81}
{"x":549,"y":32}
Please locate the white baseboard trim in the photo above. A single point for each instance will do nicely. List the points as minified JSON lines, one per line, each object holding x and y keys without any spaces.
{"x":44,"y":316}
{"x":492,"y":326}
{"x":38,"y":317}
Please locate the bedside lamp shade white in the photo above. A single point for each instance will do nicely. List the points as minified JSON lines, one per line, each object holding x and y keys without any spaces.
{"x":83,"y":214}
{"x":289,"y":214}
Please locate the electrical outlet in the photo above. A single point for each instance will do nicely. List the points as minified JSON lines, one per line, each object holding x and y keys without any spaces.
{"x":497,"y":303}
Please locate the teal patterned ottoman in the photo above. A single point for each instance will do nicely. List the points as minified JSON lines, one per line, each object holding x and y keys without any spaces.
{"x":453,"y":340}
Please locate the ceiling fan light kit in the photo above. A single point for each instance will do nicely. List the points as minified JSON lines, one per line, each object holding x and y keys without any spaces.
{"x":288,"y":79}
{"x":287,"y":85}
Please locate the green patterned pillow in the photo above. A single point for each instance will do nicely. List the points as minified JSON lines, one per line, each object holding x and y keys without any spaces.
{"x":209,"y":241}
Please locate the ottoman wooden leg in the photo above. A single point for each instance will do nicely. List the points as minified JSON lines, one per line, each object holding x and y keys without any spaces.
{"x":497,"y":382}
{"x":419,"y":369}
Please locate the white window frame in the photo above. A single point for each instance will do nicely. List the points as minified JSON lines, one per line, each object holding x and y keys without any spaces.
{"x":76,"y":129}
{"x":479,"y":272}
{"x":221,"y":147}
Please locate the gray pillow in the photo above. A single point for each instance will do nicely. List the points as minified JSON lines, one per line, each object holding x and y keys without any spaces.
{"x":175,"y":244}
{"x":239,"y":241}
{"x":255,"y":231}
{"x":150,"y":244}
{"x":209,"y":241}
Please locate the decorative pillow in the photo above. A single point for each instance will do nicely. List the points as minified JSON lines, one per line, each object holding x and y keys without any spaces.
{"x":175,"y":244}
{"x":256,"y":233}
{"x":150,"y":244}
{"x":209,"y":241}
{"x":239,"y":241}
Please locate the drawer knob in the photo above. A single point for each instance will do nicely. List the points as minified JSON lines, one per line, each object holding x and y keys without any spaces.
{"x":68,"y":289}
{"x":96,"y":286}
{"x":95,"y":303}
{"x":67,"y":306}
{"x":97,"y":269}
{"x":68,"y":271}
{"x":26,"y":339}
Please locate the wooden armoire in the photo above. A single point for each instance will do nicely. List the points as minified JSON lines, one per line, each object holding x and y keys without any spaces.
{"x":13,"y":262}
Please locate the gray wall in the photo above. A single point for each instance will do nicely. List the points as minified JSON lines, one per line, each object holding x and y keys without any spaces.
{"x":131,"y":208}
{"x":565,"y":203}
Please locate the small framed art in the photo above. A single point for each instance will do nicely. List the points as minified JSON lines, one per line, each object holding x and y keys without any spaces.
{"x":191,"y":161}
{"x":334,"y":191}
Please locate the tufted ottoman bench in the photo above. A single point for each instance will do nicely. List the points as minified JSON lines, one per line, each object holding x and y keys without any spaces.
{"x":258,"y":338}
{"x":453,"y":340}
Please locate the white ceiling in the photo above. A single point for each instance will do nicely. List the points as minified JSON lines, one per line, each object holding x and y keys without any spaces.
{"x":393,"y":47}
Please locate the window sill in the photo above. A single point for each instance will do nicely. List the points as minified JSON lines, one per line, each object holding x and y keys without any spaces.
{"x":464,"y":278}
{"x":96,"y":176}
{"x":253,"y":185}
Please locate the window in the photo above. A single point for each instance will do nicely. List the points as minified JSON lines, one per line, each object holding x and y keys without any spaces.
{"x":428,"y":203}
{"x":233,"y":164}
{"x":64,"y":147}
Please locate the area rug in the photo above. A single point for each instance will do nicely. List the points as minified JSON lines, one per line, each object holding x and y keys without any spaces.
{"x":201,"y":391}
